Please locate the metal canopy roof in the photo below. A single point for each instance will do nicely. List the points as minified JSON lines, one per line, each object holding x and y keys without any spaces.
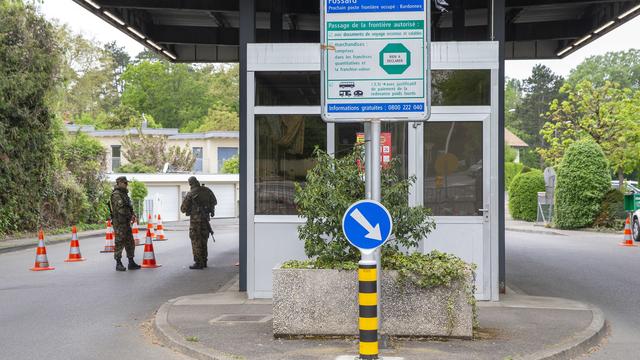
{"x":208,"y":30}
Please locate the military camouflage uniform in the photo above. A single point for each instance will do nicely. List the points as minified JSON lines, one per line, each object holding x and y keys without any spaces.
{"x":197,"y":205}
{"x":121,"y":213}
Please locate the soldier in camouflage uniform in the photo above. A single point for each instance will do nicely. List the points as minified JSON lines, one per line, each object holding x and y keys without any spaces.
{"x":122,"y":216}
{"x":199,"y":205}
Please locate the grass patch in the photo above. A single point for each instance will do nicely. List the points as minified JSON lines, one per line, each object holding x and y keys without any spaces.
{"x":192,"y":339}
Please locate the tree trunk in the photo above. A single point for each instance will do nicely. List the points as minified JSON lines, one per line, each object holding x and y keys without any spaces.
{"x":621,"y":179}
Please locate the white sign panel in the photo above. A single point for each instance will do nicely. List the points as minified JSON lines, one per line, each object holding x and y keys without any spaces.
{"x":375,"y":61}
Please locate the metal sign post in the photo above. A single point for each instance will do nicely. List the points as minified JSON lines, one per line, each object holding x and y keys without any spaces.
{"x":375,"y":65}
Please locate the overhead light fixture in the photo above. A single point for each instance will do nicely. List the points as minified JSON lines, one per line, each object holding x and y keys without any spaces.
{"x":154,"y":45}
{"x":583,"y":40}
{"x":96,"y":6}
{"x":564,"y":51}
{"x":169,"y":54}
{"x":114,"y":18}
{"x":633,"y":9}
{"x":599,"y":30}
{"x":138,"y":34}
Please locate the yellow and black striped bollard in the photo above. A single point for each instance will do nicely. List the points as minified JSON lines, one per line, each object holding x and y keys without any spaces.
{"x":368,"y":301}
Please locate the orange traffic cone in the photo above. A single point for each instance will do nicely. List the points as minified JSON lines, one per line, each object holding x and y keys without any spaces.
{"x":136,"y":233}
{"x":149,"y":257}
{"x":628,"y":240}
{"x":74,"y":251}
{"x":160,"y":230}
{"x":110,"y":245}
{"x":150,"y":227}
{"x":42,"y":263}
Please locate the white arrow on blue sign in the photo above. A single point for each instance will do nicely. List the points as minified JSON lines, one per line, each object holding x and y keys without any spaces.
{"x":367,"y":225}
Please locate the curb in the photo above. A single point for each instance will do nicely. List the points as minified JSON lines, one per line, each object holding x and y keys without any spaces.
{"x":171,"y":338}
{"x":543,"y":232}
{"x":51,"y":240}
{"x":577,"y":345}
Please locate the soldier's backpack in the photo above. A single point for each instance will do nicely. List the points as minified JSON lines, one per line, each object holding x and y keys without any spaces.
{"x":208,"y":202}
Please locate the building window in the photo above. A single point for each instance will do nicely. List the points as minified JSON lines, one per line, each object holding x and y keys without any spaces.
{"x":347,"y":135}
{"x":224,"y":154}
{"x":115,"y":157}
{"x":460,"y":87}
{"x":453,"y":183}
{"x":197,"y":165}
{"x":284,"y":146}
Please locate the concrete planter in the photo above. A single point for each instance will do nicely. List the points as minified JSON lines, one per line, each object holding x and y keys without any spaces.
{"x":324,"y":302}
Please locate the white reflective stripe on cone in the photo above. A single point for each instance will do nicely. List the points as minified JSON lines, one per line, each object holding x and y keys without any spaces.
{"x":74,"y":251}
{"x":147,"y":256}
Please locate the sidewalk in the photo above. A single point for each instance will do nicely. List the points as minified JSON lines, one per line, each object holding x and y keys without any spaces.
{"x":32,"y":242}
{"x":225,"y":326}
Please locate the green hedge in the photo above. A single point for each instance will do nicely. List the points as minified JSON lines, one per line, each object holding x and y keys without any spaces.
{"x":523,"y":195}
{"x":612,"y":214}
{"x":582,"y":181}
{"x":510,"y":172}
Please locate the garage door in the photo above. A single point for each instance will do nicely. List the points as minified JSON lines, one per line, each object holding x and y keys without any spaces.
{"x":226,"y":195}
{"x":166,"y":199}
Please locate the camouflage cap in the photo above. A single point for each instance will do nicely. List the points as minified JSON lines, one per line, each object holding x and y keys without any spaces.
{"x":122,"y":179}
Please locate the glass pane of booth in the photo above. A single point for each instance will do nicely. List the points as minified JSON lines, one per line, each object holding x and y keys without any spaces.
{"x":287,"y":88}
{"x":453,"y":184}
{"x":284,"y":148}
{"x":461,"y":87}
{"x":393,"y":142}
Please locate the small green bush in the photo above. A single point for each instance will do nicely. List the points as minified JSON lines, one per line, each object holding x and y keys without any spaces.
{"x":231,"y":165}
{"x":138,"y":191}
{"x":510,"y":172}
{"x":612,"y":214}
{"x":582,"y":181}
{"x":523,"y":195}
{"x":136,"y":168}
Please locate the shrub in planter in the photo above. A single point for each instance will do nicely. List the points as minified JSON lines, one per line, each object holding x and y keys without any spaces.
{"x":331,"y":187}
{"x":582,"y":181}
{"x":523,"y":195}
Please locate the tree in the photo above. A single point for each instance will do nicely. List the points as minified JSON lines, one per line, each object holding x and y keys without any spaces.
{"x":539,"y":90}
{"x":606,"y":114}
{"x":121,"y":60}
{"x":28,"y":75}
{"x":224,"y":87}
{"x":173,"y":94}
{"x":512,"y":99}
{"x":219,"y":118}
{"x":152,"y":151}
{"x":622,"y":67}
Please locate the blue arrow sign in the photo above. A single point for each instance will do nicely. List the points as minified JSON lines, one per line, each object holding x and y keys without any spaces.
{"x":367,"y":225}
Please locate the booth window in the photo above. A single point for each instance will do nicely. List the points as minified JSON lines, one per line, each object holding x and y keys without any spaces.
{"x":287,"y":88}
{"x":453,"y":184}
{"x":461,"y":87}
{"x":283,"y":155}
{"x":346,"y":136}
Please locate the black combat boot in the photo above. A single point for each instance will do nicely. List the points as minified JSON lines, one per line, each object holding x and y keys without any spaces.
{"x":133,"y":265}
{"x":119,"y":266}
{"x":204,"y":264}
{"x":196,"y":266}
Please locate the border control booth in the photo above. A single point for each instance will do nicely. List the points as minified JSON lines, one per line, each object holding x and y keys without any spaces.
{"x":456,"y":156}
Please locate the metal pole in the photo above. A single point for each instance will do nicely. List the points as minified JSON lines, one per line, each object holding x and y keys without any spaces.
{"x":367,"y":163}
{"x":376,"y":194}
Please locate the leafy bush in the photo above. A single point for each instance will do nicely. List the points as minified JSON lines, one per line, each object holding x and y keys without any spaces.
{"x":136,"y":168}
{"x":612,"y":214}
{"x":138,"y":191}
{"x":332,"y":186}
{"x":231,"y":165}
{"x":510,"y":154}
{"x":510,"y":172}
{"x":583,"y":179}
{"x":523,"y":195}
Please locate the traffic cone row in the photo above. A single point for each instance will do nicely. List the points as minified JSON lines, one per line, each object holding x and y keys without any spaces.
{"x":628,"y":239}
{"x":110,"y":245}
{"x":74,"y":250}
{"x":160,"y":230}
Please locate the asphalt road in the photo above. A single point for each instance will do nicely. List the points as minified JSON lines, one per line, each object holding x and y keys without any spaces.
{"x":586,"y":267}
{"x":87,"y":310}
